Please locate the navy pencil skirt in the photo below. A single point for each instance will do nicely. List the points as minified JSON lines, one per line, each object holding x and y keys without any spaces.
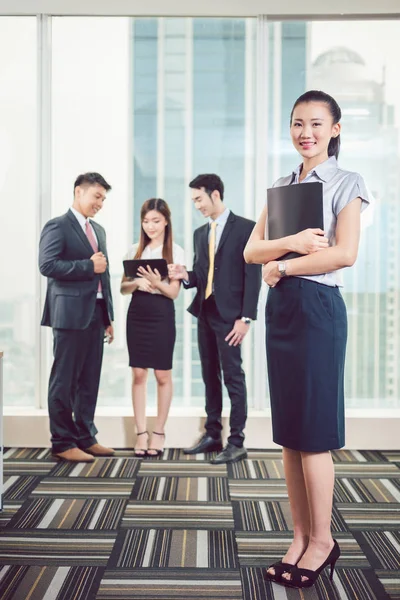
{"x":306,"y":334}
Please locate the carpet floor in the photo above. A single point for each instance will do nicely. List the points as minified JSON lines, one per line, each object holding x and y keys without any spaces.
{"x":178,"y":527}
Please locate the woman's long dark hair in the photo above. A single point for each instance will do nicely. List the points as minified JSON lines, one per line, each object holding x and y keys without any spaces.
{"x":334,"y":109}
{"x":162,"y":207}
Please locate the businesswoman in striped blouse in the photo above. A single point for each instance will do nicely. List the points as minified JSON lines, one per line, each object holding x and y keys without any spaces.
{"x":306,"y":332}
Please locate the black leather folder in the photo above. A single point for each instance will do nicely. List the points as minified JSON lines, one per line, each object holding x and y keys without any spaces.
{"x":293,"y":208}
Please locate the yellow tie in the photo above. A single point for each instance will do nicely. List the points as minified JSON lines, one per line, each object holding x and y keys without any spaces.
{"x":211,"y":255}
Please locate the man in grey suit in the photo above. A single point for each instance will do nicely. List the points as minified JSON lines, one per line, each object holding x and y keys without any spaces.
{"x":78,"y":306}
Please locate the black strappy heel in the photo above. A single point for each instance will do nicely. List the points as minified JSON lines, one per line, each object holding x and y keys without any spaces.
{"x":297,"y":573}
{"x":157,"y":451}
{"x":139,"y":452}
{"x":280,"y":568}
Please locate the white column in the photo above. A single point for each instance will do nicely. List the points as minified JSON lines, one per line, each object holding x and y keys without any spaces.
{"x":44,"y":169}
{"x":261,"y":177}
{"x":160,"y":109}
{"x":187,"y":209}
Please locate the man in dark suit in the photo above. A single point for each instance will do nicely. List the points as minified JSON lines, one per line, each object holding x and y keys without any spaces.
{"x":78,"y":306}
{"x":225,"y":304}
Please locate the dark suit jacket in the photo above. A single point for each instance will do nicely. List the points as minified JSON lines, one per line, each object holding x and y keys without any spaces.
{"x":64,"y":258}
{"x":236,"y":284}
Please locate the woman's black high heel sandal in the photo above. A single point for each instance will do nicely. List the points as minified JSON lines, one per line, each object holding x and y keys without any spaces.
{"x":140,"y":452}
{"x":156,"y":451}
{"x":280,"y":568}
{"x":297,"y":573}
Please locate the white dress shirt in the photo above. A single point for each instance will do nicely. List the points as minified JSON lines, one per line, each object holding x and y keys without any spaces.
{"x":221,"y":222}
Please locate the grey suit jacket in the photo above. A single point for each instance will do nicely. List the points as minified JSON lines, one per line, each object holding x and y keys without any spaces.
{"x":64,"y":258}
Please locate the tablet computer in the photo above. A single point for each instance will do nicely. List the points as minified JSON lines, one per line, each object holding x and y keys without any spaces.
{"x":131,"y":266}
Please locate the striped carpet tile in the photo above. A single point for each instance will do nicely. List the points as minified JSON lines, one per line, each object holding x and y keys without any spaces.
{"x":367,"y":470}
{"x":160,"y":468}
{"x":182,"y":515}
{"x":262,"y":454}
{"x":10,"y":509}
{"x":171,"y":584}
{"x":195,"y":489}
{"x":367,"y":490}
{"x":49,"y":547}
{"x":28,"y":454}
{"x":71,"y":513}
{"x":273,"y":489}
{"x":257,"y":469}
{"x":357,"y":456}
{"x":257,"y":515}
{"x":174,"y":548}
{"x":391,"y":583}
{"x":28,"y":467}
{"x":177,"y":454}
{"x":60,"y":487}
{"x":18,"y":487}
{"x":370,"y":516}
{"x":392,"y":455}
{"x":113,"y":468}
{"x":261,"y":515}
{"x":382,"y":548}
{"x":62,"y":583}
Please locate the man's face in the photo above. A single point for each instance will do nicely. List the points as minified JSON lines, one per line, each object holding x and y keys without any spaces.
{"x":89,"y":199}
{"x":202,"y":202}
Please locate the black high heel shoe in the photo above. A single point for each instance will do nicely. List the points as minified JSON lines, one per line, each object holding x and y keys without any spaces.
{"x":140,"y":452}
{"x":297,"y":573}
{"x":280,"y":568}
{"x":157,"y":451}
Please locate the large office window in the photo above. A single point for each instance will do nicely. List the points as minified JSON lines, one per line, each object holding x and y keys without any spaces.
{"x":18,"y":249}
{"x":152,"y":102}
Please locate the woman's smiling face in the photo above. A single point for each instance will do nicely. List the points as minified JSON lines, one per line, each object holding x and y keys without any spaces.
{"x":311,"y":130}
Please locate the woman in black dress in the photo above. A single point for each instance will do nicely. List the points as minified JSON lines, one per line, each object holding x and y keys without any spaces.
{"x":151,"y":322}
{"x":306,"y":333}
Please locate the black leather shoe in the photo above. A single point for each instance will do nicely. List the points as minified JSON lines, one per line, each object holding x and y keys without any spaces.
{"x":229,"y":454}
{"x":205,"y":444}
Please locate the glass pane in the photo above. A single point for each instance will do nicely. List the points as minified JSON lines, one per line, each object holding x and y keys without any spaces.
{"x":150,"y":103}
{"x":363,"y":77}
{"x":91,"y":124}
{"x":18,"y":246}
{"x":190,"y":103}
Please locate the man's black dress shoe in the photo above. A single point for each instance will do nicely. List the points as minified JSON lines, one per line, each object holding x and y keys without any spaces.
{"x":205,"y":444}
{"x":229,"y":454}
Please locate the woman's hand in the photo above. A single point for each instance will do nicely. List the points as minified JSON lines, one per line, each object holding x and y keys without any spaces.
{"x":270,"y":273}
{"x":143,"y":285}
{"x":153,"y":277}
{"x":309,"y":241}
